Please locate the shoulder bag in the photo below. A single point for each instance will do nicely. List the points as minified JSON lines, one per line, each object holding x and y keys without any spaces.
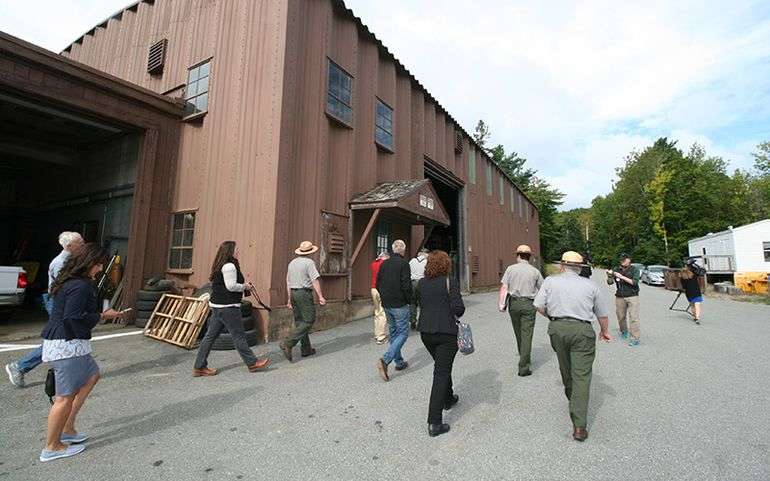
{"x":464,"y":333}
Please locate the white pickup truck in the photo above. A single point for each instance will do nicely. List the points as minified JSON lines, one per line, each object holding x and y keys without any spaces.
{"x":13,"y":286}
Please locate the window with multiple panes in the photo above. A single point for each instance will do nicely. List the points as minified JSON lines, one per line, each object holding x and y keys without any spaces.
{"x":472,"y":165}
{"x":382,"y":240}
{"x":383,"y":128}
{"x":502,"y":191}
{"x":339,"y":96}
{"x":197,"y":91}
{"x":766,"y":249}
{"x":182,"y":228}
{"x":489,"y":179}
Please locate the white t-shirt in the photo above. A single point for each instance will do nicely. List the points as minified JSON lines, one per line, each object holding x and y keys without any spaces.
{"x":417,"y":267}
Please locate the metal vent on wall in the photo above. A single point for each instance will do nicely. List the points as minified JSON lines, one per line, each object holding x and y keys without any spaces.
{"x":157,"y":57}
{"x":475,"y":265}
{"x":458,"y":142}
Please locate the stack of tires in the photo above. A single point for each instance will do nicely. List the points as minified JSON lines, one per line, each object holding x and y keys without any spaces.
{"x":225,"y":341}
{"x":148,"y":296}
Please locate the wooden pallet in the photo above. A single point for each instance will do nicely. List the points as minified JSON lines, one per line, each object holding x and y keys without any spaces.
{"x":178,"y":319}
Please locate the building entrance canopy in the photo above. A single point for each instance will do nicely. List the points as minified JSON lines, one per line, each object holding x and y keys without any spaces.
{"x":414,"y":202}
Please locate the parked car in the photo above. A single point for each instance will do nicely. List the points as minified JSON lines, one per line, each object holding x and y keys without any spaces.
{"x":13,"y":287}
{"x":653,"y":275}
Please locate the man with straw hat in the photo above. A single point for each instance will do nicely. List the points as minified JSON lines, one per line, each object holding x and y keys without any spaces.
{"x":518,"y":288}
{"x":301,"y":280}
{"x":571,"y":302}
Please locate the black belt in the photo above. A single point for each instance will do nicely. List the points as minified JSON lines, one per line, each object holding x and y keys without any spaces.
{"x":301,"y":289}
{"x":570,"y":319}
{"x":517,"y":298}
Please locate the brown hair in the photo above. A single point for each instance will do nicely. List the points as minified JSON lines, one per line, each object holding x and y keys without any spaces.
{"x":686,"y":273}
{"x":225,"y":254}
{"x":79,"y":264}
{"x":438,"y":264}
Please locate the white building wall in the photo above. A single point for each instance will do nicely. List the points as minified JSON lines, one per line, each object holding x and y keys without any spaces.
{"x":749,"y":254}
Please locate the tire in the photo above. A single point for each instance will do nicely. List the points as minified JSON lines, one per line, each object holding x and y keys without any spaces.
{"x":141,"y":322}
{"x":204,"y":289}
{"x":225,"y":342}
{"x":146,"y":305}
{"x":143,"y":295}
{"x":163,"y":285}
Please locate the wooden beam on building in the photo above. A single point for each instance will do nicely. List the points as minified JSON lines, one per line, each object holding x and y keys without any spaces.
{"x":428,"y":232}
{"x":365,"y":235}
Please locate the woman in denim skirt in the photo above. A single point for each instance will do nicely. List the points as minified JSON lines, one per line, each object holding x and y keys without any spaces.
{"x":67,"y":348}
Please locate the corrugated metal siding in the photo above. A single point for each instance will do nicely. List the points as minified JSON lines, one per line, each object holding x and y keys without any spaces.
{"x":228,"y":160}
{"x":323,"y":164}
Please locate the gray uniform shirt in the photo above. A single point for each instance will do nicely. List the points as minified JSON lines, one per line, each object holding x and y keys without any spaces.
{"x":569,"y":295}
{"x":302,"y":272}
{"x":522,"y":280}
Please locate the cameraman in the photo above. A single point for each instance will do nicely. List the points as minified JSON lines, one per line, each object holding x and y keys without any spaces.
{"x":626,"y":279}
{"x":690,"y":284}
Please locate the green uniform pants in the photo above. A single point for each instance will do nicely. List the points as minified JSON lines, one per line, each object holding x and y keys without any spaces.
{"x":304,"y":316}
{"x":522,"y":313}
{"x":413,"y":303}
{"x":575,"y":345}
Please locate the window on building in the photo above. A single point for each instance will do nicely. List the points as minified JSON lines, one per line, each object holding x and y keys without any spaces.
{"x":502,"y":191}
{"x":338,"y":98}
{"x":182,"y":229}
{"x":383,"y":128}
{"x":512,"y":199}
{"x":197,"y":91}
{"x":766,"y":249}
{"x":521,"y":205}
{"x":382,"y":240}
{"x":489,"y":179}
{"x":472,"y":165}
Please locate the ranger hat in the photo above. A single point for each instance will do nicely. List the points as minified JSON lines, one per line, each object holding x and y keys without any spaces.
{"x":571,"y":257}
{"x":623,"y":255}
{"x":523,"y":249}
{"x":306,"y":248}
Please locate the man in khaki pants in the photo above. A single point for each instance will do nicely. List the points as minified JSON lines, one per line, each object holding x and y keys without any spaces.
{"x":380,"y":321}
{"x":626,"y":279}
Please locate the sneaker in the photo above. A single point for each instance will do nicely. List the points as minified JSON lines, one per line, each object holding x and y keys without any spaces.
{"x":634,"y":342}
{"x":71,"y":450}
{"x":74,"y":438}
{"x":624,"y":335}
{"x":14,"y":374}
{"x":697,"y":321}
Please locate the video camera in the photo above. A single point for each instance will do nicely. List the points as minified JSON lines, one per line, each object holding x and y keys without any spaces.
{"x":691,"y":263}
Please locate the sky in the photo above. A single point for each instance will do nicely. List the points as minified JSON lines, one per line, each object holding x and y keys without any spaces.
{"x":573,"y":87}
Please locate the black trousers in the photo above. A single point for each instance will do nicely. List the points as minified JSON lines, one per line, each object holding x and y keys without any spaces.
{"x":442,"y":348}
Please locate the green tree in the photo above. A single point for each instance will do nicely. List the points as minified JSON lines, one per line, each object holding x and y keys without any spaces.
{"x":482,"y":133}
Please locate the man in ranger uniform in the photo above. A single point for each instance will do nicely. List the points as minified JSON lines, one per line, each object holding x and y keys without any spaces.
{"x":571,"y":302}
{"x":517,"y":290}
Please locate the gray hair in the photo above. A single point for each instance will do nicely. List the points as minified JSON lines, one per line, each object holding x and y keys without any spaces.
{"x":66,"y":238}
{"x":573,"y":268}
{"x":399,"y":247}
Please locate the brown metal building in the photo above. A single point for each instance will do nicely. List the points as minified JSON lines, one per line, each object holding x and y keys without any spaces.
{"x":300,"y":125}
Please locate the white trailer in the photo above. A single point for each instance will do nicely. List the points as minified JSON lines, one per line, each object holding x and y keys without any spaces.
{"x":735,"y":250}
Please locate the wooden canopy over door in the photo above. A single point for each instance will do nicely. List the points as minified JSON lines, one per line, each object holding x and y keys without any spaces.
{"x":414,"y":202}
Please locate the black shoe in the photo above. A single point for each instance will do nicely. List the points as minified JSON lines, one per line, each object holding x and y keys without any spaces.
{"x":525,"y":373}
{"x":402,"y":366}
{"x":413,"y":325}
{"x":308,"y":353}
{"x":451,"y":402}
{"x":437,"y":429}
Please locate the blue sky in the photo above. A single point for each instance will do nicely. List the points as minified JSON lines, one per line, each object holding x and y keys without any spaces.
{"x":572,"y":86}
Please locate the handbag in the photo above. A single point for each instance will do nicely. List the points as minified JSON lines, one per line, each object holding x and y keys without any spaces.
{"x":464,"y":333}
{"x":50,"y":385}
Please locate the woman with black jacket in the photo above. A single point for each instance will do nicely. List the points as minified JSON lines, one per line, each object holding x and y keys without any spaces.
{"x":67,"y":348}
{"x":441,"y":305}
{"x":227,"y":288}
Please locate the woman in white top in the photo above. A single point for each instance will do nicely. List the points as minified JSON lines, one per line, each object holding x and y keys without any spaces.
{"x":227,"y":289}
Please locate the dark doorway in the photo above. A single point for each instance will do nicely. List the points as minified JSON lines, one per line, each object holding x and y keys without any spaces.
{"x":447,"y":238}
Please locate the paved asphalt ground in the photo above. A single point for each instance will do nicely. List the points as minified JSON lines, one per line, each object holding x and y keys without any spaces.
{"x":691,"y":403}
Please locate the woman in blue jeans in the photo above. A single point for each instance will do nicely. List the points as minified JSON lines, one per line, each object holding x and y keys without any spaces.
{"x":227,"y":288}
{"x":67,"y":348}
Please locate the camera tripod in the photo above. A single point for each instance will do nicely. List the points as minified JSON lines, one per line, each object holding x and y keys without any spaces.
{"x":672,"y":308}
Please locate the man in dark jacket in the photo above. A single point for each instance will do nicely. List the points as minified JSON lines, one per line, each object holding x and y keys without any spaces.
{"x":395,"y":287}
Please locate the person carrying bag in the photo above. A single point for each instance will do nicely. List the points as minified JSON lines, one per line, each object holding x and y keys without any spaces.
{"x":441,"y":306}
